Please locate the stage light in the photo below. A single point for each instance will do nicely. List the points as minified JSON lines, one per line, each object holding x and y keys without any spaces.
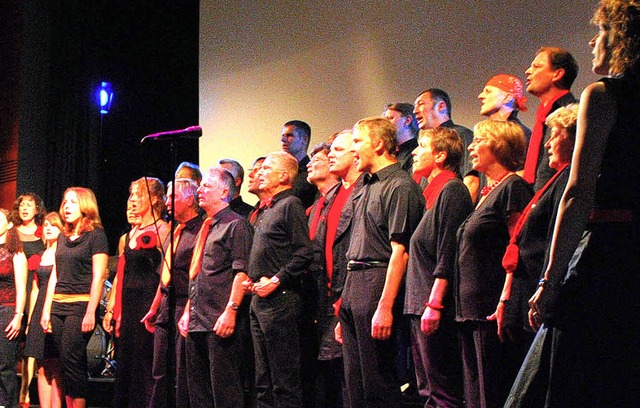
{"x":105,"y":97}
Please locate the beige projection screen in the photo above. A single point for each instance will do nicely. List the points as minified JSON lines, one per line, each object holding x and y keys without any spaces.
{"x":331,"y":63}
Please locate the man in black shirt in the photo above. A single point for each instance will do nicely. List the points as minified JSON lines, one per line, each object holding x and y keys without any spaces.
{"x":216,"y":274}
{"x":433,"y":109}
{"x":280,"y":254}
{"x":295,"y":139}
{"x":237,"y":171}
{"x":401,"y":114}
{"x":386,"y":211}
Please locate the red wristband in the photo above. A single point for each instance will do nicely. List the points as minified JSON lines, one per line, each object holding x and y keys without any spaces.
{"x":434,"y":306}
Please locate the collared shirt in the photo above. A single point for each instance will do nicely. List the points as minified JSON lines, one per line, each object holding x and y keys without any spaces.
{"x":387,"y":208}
{"x":180,"y":274}
{"x":404,"y":156}
{"x":226,"y":252}
{"x":281,"y":244}
{"x":302,"y":189}
{"x":240,"y":207}
{"x":466,"y":168}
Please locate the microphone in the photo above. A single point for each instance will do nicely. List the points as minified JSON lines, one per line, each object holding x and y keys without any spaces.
{"x":192,"y":132}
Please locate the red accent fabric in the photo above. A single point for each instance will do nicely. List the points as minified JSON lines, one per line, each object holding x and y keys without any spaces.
{"x":433,"y":189}
{"x":198,"y":249}
{"x":512,"y":86}
{"x":263,"y":204}
{"x":333,"y":217}
{"x":117,"y":307}
{"x":512,"y":254}
{"x":146,"y":240}
{"x":166,"y":266}
{"x":33,"y":262}
{"x":316,"y":217}
{"x":531,"y":162}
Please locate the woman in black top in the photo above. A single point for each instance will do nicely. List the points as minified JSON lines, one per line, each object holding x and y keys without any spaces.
{"x":497,"y":151}
{"x":27,"y":217}
{"x":75,"y":288}
{"x":588,"y":297}
{"x":39,"y":345}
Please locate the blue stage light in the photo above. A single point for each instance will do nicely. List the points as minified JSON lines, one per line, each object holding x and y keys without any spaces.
{"x":105,"y":97}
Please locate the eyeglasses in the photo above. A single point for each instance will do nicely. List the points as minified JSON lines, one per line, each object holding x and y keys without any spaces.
{"x":477,"y":140}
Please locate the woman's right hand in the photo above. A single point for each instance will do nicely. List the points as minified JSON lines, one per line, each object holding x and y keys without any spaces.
{"x":498,"y":316}
{"x":106,"y":322}
{"x":45,"y":321}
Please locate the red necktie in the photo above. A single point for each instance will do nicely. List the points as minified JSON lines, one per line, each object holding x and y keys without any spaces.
{"x":166,"y":267}
{"x":198,"y":249}
{"x":263,"y":204}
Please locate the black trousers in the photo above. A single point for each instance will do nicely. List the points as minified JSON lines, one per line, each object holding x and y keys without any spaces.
{"x":370,"y":365}
{"x":213,"y":371}
{"x":437,"y":362}
{"x":72,"y":343}
{"x":276,"y":341}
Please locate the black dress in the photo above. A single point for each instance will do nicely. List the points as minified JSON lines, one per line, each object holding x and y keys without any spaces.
{"x":134,"y":347}
{"x":586,"y":354}
{"x":38,"y":344}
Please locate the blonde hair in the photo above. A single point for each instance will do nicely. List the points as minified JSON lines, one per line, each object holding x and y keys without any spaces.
{"x":54,"y":219}
{"x":508,"y":143}
{"x":380,"y":128}
{"x":564,"y":117}
{"x":287,"y":163}
{"x":152,"y":188}
{"x":449,"y":141}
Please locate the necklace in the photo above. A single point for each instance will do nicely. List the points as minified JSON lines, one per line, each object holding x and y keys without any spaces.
{"x":487,"y":189}
{"x":147,"y":226}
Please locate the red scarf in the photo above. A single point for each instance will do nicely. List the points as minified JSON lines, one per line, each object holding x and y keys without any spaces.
{"x":435,"y":186}
{"x":512,"y":254}
{"x":537,"y":134}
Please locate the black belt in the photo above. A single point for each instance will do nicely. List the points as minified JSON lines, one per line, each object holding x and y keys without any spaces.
{"x":360,"y":266}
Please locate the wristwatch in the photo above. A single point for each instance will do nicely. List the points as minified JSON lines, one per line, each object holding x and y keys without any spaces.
{"x":275,"y":280}
{"x":233,"y":305}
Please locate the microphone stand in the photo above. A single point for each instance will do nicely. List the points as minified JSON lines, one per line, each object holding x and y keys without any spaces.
{"x":170,"y":357}
{"x":171,"y":297}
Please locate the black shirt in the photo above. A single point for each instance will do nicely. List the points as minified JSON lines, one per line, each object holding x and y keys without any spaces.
{"x":433,"y":246}
{"x":482,"y":240}
{"x":74,"y":261}
{"x":281,"y":244}
{"x":387,"y":208}
{"x":302,"y":189}
{"x":404,"y":154}
{"x":240,"y":207}
{"x":226,"y":252}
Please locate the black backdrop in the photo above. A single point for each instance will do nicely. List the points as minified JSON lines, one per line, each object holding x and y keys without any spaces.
{"x":148,"y":50}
